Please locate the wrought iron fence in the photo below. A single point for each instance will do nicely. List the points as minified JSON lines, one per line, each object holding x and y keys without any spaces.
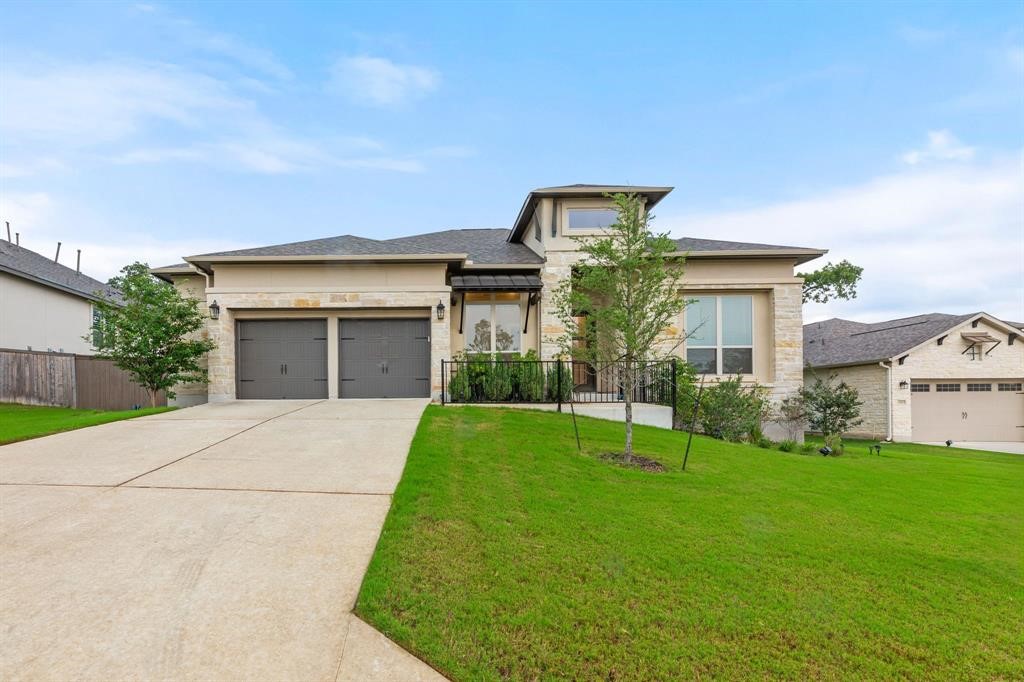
{"x":496,"y":380}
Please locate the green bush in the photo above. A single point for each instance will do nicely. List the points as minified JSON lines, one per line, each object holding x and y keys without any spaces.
{"x":553,"y":388}
{"x":731,"y":411}
{"x":788,"y":445}
{"x":528,"y":379}
{"x":808,"y":448}
{"x":686,"y":394}
{"x":497,"y":381}
{"x":458,"y":384}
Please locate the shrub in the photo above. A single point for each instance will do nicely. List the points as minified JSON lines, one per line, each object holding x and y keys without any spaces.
{"x":831,"y":408}
{"x":764,"y":442}
{"x":553,"y":389}
{"x":528,"y":379}
{"x":788,"y":445}
{"x":497,"y":381}
{"x":808,"y":448}
{"x":458,"y":384}
{"x":731,"y":411}
{"x":791,"y":415}
{"x":835,"y":443}
{"x":686,"y":394}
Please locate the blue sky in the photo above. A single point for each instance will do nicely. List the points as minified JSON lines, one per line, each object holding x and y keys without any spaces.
{"x":890,"y":133}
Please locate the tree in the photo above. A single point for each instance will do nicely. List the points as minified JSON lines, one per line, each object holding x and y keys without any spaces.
{"x":831,"y":408}
{"x":151,"y":334}
{"x":834,"y":280}
{"x":622,"y":299}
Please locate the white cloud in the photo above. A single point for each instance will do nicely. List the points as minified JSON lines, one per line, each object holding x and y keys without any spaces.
{"x":83,"y":104}
{"x":1015,"y":58}
{"x":942,"y":146}
{"x":42,"y":221}
{"x":377,"y":81}
{"x":932,"y":239}
{"x":29,"y":167}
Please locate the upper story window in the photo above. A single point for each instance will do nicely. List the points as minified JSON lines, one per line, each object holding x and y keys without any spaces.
{"x":591,"y":218}
{"x":720,"y":334}
{"x":492,"y":323}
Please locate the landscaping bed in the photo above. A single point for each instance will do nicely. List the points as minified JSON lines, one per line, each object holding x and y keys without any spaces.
{"x":21,"y":422}
{"x":507,"y":555}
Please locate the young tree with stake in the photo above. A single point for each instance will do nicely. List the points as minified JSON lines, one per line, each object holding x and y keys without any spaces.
{"x":151,"y":334}
{"x":627,"y":285}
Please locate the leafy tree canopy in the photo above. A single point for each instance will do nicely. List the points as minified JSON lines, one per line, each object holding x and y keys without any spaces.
{"x":832,"y":281}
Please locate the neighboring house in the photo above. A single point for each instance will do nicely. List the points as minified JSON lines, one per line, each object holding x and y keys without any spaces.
{"x":45,"y":306}
{"x":928,"y":378}
{"x":356,"y":317}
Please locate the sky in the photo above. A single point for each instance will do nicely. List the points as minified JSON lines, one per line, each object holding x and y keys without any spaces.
{"x":891,"y":134}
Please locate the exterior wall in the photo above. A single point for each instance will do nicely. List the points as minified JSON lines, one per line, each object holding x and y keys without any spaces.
{"x":187,"y":395}
{"x":871,"y":382}
{"x":37,"y":317}
{"x":932,"y":361}
{"x":329,"y":277}
{"x":332,"y":306}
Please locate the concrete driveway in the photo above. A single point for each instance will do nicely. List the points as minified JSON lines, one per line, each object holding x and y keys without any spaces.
{"x":220,"y":542}
{"x":1012,"y":448}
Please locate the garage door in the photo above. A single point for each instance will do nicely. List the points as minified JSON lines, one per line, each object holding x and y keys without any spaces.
{"x":282,"y":359}
{"x":965,"y":410}
{"x":384,"y":358}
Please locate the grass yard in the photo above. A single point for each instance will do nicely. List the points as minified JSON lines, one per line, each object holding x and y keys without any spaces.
{"x":21,"y":422}
{"x":506,"y":555}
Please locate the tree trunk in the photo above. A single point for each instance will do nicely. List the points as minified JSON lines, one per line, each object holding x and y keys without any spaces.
{"x":627,"y":395}
{"x":152,"y":397}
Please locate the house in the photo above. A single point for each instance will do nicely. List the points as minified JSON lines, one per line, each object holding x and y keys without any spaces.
{"x":928,"y":378}
{"x":356,"y":317}
{"x":45,"y":306}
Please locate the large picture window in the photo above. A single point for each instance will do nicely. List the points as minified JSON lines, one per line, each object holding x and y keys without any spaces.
{"x":720,"y":334}
{"x":492,"y":323}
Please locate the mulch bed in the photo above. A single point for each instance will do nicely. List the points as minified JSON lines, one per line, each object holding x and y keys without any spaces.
{"x":637,"y":462}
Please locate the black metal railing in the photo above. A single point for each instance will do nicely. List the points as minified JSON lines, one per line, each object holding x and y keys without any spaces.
{"x":496,"y":380}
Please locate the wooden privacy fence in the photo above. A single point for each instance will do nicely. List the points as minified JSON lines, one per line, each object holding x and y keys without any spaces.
{"x":68,"y":380}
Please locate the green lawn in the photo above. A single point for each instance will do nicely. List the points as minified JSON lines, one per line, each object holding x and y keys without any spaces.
{"x":506,"y":555}
{"x":20,"y":422}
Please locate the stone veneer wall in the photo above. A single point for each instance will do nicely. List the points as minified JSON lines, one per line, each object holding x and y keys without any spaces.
{"x":786,"y":303}
{"x":871,"y":382}
{"x":222,"y":331}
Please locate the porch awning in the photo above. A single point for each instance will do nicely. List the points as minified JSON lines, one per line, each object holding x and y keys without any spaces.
{"x":496,"y":283}
{"x":979,"y":337}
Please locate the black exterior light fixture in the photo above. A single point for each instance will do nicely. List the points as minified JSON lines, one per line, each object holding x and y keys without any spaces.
{"x":214,"y":310}
{"x":825,"y":451}
{"x":440,"y":310}
{"x":903,"y":384}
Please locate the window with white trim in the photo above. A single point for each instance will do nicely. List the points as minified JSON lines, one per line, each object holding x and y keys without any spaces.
{"x":492,"y":322}
{"x":920,"y":388}
{"x":720,"y":334}
{"x":947,"y":388}
{"x":1010,"y":387}
{"x":592,"y":218}
{"x":978,"y":388}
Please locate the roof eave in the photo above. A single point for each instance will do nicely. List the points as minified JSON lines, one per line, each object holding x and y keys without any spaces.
{"x":52,"y":285}
{"x":204,"y":263}
{"x":801,"y":255}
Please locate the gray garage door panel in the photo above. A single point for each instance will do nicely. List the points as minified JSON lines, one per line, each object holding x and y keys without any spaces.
{"x":282,"y":359}
{"x":384,"y":358}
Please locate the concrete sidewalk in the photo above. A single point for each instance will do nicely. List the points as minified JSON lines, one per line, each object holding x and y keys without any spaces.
{"x":224,"y":541}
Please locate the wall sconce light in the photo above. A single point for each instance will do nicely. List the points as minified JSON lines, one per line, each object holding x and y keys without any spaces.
{"x":440,"y":310}
{"x":214,"y":310}
{"x":903,"y":384}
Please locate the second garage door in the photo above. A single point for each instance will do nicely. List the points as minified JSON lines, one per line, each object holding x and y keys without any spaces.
{"x":967,"y":410}
{"x":384,"y":358}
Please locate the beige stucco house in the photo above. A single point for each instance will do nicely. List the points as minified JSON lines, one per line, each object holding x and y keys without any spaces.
{"x":350,"y":316}
{"x":928,"y":378}
{"x":45,"y":306}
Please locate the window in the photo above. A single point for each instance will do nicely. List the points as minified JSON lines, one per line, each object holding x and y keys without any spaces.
{"x":920,"y":388}
{"x":947,"y":388}
{"x":720,"y":334}
{"x":492,"y":323}
{"x":592,"y":218}
{"x":1010,"y":387}
{"x":977,"y":388}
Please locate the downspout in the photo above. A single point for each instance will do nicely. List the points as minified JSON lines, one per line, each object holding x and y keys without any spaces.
{"x":888,"y":411}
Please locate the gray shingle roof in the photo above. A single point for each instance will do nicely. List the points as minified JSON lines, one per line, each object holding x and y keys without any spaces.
{"x":497,"y":282}
{"x":21,"y":262}
{"x":697,"y":245}
{"x":485,"y":246}
{"x":844,"y":342}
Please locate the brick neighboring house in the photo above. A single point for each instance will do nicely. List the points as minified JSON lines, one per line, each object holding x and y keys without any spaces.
{"x":316,"y":318}
{"x":45,"y":306}
{"x":927,"y":378}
